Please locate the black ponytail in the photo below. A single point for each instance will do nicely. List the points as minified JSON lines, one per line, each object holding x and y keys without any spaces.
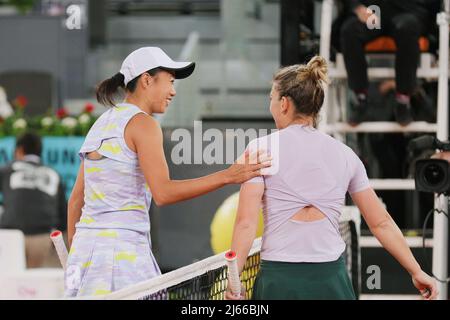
{"x":108,"y":88}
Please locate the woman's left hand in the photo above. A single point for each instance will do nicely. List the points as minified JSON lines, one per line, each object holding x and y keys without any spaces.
{"x":426,"y":285}
{"x":230,"y":296}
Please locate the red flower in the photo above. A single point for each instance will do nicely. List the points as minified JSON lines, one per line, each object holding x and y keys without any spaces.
{"x":21,"y":101}
{"x":61,"y":113}
{"x":89,"y":107}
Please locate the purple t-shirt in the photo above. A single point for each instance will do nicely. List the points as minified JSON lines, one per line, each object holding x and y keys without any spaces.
{"x":309,"y":168}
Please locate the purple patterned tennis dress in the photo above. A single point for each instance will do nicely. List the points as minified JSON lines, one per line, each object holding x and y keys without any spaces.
{"x":111,"y":248}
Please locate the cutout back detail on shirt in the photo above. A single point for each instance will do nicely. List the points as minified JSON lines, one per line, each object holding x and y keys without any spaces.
{"x":308,"y":214}
{"x":94,"y":155}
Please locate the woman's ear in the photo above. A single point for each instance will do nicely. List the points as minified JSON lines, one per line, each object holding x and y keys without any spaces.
{"x":146,"y":80}
{"x":284,"y":107}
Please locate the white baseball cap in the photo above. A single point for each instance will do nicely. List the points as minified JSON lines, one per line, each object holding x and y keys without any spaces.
{"x":147,"y":58}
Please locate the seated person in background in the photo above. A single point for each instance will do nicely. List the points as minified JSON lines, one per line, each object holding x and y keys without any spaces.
{"x":33,"y":199}
{"x":405,"y":21}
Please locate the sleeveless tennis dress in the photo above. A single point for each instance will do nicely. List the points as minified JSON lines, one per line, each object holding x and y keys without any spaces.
{"x":111,"y":248}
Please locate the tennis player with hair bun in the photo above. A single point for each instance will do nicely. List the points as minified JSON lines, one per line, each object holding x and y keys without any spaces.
{"x":123,"y":167}
{"x":301,"y":253}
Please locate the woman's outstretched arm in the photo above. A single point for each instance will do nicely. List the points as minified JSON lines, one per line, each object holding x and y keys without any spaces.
{"x":391,"y":238}
{"x":145,"y":136}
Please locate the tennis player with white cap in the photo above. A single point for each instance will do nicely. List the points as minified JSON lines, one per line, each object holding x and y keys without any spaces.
{"x":122,"y":169}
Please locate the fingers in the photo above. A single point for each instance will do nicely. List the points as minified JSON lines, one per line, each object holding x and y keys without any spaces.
{"x":263,"y":152}
{"x":245,"y":157}
{"x":430,"y":293}
{"x":256,"y":173}
{"x":434,"y":292}
{"x":258,"y":167}
{"x":265,"y":164}
{"x":264,"y":158}
{"x":259,"y":156}
{"x":426,"y":294}
{"x":231,"y":296}
{"x":256,"y":157}
{"x":250,"y":165}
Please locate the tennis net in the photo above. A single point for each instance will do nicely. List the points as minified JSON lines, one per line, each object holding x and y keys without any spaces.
{"x":207,"y":279}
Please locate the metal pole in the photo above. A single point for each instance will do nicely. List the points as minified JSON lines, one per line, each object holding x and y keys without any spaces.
{"x":440,"y":230}
{"x":325,"y":43}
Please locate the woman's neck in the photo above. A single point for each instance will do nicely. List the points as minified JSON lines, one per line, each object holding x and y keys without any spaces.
{"x":301,"y":121}
{"x":137,"y":102}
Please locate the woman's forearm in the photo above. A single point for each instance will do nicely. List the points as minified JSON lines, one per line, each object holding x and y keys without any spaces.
{"x":178,"y":190}
{"x":73,"y":216}
{"x":395,"y":243}
{"x":243,"y":237}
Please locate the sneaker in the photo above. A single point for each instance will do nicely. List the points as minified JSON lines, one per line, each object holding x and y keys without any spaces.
{"x":358,"y":109}
{"x":402,"y":113}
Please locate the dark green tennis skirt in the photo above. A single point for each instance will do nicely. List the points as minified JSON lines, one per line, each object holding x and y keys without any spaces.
{"x":303,"y":281}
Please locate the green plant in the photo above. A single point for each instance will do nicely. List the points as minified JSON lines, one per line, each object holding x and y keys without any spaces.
{"x":60,"y":123}
{"x":23,"y":6}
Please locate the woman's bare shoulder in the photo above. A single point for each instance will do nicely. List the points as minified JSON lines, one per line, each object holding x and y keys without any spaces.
{"x":142,"y":129}
{"x":142,"y":122}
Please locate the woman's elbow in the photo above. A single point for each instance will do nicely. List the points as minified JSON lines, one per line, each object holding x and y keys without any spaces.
{"x":246,"y":223}
{"x":159,"y":202}
{"x":75,"y":202}
{"x":381,"y":225}
{"x":162,"y":199}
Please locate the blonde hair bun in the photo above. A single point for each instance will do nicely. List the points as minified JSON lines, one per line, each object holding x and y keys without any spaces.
{"x":318,"y":69}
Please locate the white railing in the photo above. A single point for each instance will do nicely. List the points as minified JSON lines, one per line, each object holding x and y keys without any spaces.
{"x":427,"y":70}
{"x":440,"y":230}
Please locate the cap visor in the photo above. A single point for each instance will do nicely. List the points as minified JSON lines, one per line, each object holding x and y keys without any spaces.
{"x":181,"y":69}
